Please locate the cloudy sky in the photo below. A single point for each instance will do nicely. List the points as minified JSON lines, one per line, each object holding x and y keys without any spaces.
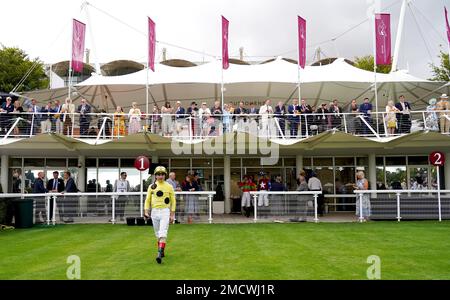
{"x":265,"y":28}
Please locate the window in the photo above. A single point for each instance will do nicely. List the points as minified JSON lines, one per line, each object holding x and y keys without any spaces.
{"x":396,"y":161}
{"x":108,"y":162}
{"x":418,"y":160}
{"x":56,"y":162}
{"x":322,"y":161}
{"x":344,"y":161}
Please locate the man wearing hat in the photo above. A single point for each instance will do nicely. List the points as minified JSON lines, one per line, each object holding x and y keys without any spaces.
{"x":442,"y":106}
{"x":161,"y":200}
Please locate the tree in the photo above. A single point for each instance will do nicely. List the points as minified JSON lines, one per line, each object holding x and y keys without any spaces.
{"x":441,"y":72}
{"x":366,"y":63}
{"x":14,"y":64}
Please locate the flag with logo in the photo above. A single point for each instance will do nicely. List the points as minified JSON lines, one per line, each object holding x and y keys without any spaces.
{"x":383,"y":39}
{"x":151,"y":44}
{"x":225,"y":57}
{"x":78,"y":37}
{"x":301,"y":42}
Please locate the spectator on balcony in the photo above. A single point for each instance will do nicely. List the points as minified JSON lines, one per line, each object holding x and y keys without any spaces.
{"x":442,"y":108}
{"x":431,"y":120}
{"x":294,"y":118}
{"x":391,"y":117}
{"x":84,"y":110}
{"x":280,"y":117}
{"x":34,"y":117}
{"x":46,"y":116}
{"x":366,"y":109}
{"x":352,"y":121}
{"x":119,"y":122}
{"x":307,"y":119}
{"x":266,"y":113}
{"x":192,"y":111}
{"x":206,"y":121}
{"x":155,"y":120}
{"x":67,"y":110}
{"x":134,"y":117}
{"x":18,"y":113}
{"x":404,"y":115}
{"x":180,"y":113}
{"x":227,"y":126}
{"x":336,"y":117}
{"x":240,"y":115}
{"x":57,"y":124}
{"x":322,"y":118}
{"x":166,"y":115}
{"x":6,"y":109}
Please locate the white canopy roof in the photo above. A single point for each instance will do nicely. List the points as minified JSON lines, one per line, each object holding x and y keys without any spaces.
{"x":276,"y":80}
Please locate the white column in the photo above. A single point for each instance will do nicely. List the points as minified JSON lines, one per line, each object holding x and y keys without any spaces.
{"x":446,"y":170}
{"x":372,"y":176}
{"x":298,"y":164}
{"x":81,"y":173}
{"x":227,"y":183}
{"x":4,"y":173}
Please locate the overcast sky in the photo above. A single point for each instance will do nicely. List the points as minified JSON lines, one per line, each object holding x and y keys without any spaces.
{"x":263,"y":27}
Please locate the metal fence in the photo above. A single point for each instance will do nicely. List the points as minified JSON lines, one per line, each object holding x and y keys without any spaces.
{"x":204,"y":125}
{"x":292,"y":206}
{"x":110,"y":207}
{"x":406,"y":204}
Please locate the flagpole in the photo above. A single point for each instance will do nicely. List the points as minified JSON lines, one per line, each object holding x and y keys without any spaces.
{"x":70,"y":66}
{"x":222,"y":87}
{"x":146,"y":81}
{"x":375,"y":68}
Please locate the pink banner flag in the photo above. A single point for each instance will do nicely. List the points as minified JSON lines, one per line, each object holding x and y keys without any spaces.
{"x":301,"y":42}
{"x":448,"y":25}
{"x":151,"y":44}
{"x":79,"y":30}
{"x":225,"y":57}
{"x":383,"y":39}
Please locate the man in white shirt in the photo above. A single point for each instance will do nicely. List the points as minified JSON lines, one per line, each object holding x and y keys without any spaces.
{"x":266,"y":112}
{"x":121,"y":185}
{"x":314,"y":184}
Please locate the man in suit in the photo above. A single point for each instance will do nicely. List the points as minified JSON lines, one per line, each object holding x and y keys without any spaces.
{"x":294,"y":117}
{"x":239,"y":115}
{"x":57,"y":125}
{"x":280,"y":116}
{"x":69,"y":208}
{"x":305,"y":110}
{"x":39,"y":188}
{"x":85,"y":119}
{"x":336,"y":118}
{"x":35,"y":117}
{"x":55,"y":185}
{"x":404,"y":117}
{"x":366,"y":109}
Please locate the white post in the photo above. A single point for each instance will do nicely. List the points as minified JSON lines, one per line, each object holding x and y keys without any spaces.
{"x":141,"y":202}
{"x":375,"y":69}
{"x":54,"y":210}
{"x":316,"y":219}
{"x":4,"y":172}
{"x":398,"y":40}
{"x":439,"y":193}
{"x":113,"y":218}
{"x":398,"y":207}
{"x":361,"y":218}
{"x":48,"y":209}
{"x":255,"y":204}
{"x":210,"y":208}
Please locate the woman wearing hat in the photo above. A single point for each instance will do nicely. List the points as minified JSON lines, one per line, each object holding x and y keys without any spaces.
{"x":161,"y":200}
{"x":431,"y":120}
{"x":443,"y":106}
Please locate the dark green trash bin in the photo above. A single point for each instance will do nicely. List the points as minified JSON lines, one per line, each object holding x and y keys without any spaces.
{"x":23,"y":213}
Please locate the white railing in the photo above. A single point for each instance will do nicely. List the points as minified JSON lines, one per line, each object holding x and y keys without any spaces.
{"x":101,"y":198}
{"x":295,"y":195}
{"x":193,"y":126}
{"x":398,"y":193}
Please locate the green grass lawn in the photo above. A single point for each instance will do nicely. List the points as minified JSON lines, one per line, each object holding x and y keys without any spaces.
{"x":408,"y":250}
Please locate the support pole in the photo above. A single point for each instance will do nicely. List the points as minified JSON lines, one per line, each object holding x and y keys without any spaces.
{"x":398,"y":40}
